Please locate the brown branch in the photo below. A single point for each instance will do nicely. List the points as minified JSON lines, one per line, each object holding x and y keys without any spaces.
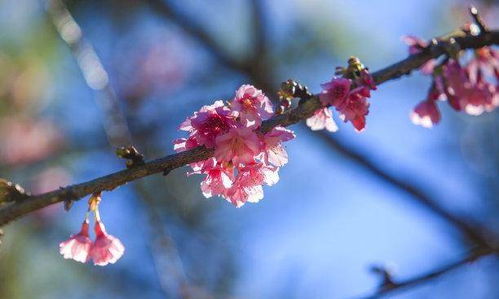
{"x":426,"y":277}
{"x":303,"y":111}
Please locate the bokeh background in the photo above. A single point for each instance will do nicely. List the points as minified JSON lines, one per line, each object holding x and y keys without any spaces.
{"x":317,"y":233}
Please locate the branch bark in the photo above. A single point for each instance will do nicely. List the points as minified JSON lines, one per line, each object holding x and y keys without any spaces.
{"x":426,"y":277}
{"x":301,"y":112}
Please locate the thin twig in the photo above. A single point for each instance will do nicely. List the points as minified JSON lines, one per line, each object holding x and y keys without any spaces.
{"x":426,"y":277}
{"x":302,"y":112}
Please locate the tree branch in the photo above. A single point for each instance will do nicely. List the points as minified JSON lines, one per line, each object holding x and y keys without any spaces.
{"x":302,"y":112}
{"x":426,"y":277}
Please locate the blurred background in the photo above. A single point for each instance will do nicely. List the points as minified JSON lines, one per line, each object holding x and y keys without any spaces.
{"x":143,"y":66}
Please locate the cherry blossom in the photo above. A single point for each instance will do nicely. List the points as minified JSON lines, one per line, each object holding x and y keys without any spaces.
{"x":106,"y":249}
{"x":322,"y":119}
{"x":206,"y":124}
{"x":426,"y":114}
{"x":78,"y":246}
{"x":335,"y":91}
{"x":244,"y":157}
{"x":251,"y":105}
{"x":219,"y":178}
{"x":248,"y":184}
{"x":355,"y":108}
{"x":238,"y":145}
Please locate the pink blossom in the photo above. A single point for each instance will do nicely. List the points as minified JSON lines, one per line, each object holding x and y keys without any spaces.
{"x":206,"y":124}
{"x":416,"y":46}
{"x":274,"y":152}
{"x":251,"y":105}
{"x":78,"y":246}
{"x":487,"y":60}
{"x":248,"y":184}
{"x":465,"y":91}
{"x":355,"y":107}
{"x":426,"y":114}
{"x":366,"y":80}
{"x":322,"y":119}
{"x":238,"y":145}
{"x":218,"y":178}
{"x":335,"y":91}
{"x":106,"y":249}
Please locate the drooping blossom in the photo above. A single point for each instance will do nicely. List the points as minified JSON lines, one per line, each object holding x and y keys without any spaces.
{"x":274,"y":152}
{"x":322,"y":119}
{"x":238,"y":145}
{"x":472,"y":88}
{"x":78,"y":246}
{"x":251,"y":105}
{"x":466,"y":91}
{"x":106,"y":249}
{"x":426,"y":113}
{"x":416,"y":46}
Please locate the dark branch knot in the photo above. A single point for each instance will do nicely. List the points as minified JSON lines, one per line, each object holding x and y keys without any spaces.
{"x":132,"y":155}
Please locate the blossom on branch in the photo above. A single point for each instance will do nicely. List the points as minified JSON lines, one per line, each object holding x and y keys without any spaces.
{"x":251,"y":106}
{"x":244,"y":158}
{"x":348,"y":94}
{"x":106,"y":249}
{"x":472,"y":88}
{"x":78,"y":246}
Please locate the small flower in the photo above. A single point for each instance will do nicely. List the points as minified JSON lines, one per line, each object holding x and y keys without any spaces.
{"x":218,"y":178}
{"x":206,"y":124}
{"x":355,"y":108}
{"x":335,"y":91}
{"x":426,"y":113}
{"x":248,"y":184}
{"x":322,"y":119}
{"x":106,"y":249}
{"x":238,"y":145}
{"x":78,"y":246}
{"x":251,"y":105}
{"x":274,"y":152}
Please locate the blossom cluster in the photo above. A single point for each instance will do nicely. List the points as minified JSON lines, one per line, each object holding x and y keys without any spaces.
{"x":245,"y":158}
{"x":105,"y":249}
{"x":472,"y":87}
{"x":348,"y":95}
